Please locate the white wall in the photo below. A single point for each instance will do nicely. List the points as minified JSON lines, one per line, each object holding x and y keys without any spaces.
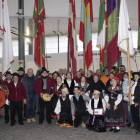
{"x":60,"y":61}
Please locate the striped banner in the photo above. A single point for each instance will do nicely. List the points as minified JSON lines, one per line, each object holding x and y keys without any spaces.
{"x":72,"y":39}
{"x":39,"y":37}
{"x":85,"y":34}
{"x":101,"y":41}
{"x":113,"y":52}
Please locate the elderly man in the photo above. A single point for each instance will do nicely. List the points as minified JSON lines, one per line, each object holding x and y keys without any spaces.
{"x":89,"y":76}
{"x":44,"y":84}
{"x":63,"y":109}
{"x":78,"y":108}
{"x":78,"y":77}
{"x":96,"y":102}
{"x":28,"y":82}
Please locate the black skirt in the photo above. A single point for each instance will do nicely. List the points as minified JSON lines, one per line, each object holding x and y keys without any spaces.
{"x":117,"y":117}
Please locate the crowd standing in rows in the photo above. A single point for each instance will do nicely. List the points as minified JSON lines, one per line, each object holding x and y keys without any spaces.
{"x":89,"y":100}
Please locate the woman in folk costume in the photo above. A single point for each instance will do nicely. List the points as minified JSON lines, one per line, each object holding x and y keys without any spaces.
{"x":58,"y":87}
{"x":115,"y":112}
{"x":70,"y":83}
{"x":96,"y":123}
{"x":84,"y":85}
{"x":63,"y":109}
{"x":125,"y":89}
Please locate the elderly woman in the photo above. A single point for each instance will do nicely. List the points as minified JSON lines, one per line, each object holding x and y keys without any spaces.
{"x":63,"y":109}
{"x":83,"y":86}
{"x":96,"y":123}
{"x":115,"y":115}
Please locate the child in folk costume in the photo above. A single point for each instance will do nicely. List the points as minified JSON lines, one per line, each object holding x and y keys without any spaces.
{"x":63,"y":109}
{"x":96,"y":123}
{"x":115,"y":114}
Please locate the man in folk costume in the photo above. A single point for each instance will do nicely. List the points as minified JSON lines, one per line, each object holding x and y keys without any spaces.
{"x":78,"y":108}
{"x":115,"y":113}
{"x":58,"y":92}
{"x":44,"y":84}
{"x":135,"y":109}
{"x":17,"y":93}
{"x":63,"y":109}
{"x":7,"y":82}
{"x":96,"y":123}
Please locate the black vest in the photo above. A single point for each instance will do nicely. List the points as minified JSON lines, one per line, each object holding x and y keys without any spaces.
{"x":65,"y":105}
{"x":80,"y":104}
{"x":71,"y":88}
{"x":100,"y":104}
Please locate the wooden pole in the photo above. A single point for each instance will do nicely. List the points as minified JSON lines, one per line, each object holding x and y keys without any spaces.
{"x":84,"y":57}
{"x":129,"y":69}
{"x":41,"y":53}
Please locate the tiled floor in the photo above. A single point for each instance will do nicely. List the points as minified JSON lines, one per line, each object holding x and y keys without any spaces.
{"x":34,"y":131}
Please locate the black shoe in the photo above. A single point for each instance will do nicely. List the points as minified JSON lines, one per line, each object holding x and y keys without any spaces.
{"x":24,"y":119}
{"x":40,"y":122}
{"x":6,"y":122}
{"x":21,"y":123}
{"x":12,"y":124}
{"x":129,"y":125}
{"x":112,"y":129}
{"x":116,"y":130}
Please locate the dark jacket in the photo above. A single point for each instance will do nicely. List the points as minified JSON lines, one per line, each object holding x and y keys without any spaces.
{"x":89,"y":79}
{"x":27,"y":83}
{"x":38,"y":86}
{"x":137,"y":93}
{"x":17,"y":93}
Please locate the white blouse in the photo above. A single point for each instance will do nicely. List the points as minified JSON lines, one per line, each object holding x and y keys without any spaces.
{"x":90,"y":110}
{"x":69,"y":83}
{"x":132,"y":92}
{"x":58,"y":105}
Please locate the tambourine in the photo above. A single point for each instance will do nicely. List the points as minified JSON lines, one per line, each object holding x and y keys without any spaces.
{"x":46,"y":97}
{"x":5,"y":90}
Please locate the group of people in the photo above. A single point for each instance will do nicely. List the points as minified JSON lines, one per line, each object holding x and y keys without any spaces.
{"x":93,"y":101}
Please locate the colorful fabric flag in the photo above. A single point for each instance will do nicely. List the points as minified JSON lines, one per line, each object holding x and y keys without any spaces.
{"x":139,"y":24}
{"x":72,"y":39}
{"x":7,"y":48}
{"x":39,"y":37}
{"x":124,"y":31}
{"x":113,"y":52}
{"x":85,"y":34}
{"x":101,"y":41}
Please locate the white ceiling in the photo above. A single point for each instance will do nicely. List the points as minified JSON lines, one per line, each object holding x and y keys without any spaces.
{"x":58,"y":9}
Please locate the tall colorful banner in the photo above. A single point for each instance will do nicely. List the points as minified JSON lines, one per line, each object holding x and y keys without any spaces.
{"x":101,"y":41}
{"x":39,"y":37}
{"x":85,"y":34}
{"x":72,"y":39}
{"x":113,"y":52}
